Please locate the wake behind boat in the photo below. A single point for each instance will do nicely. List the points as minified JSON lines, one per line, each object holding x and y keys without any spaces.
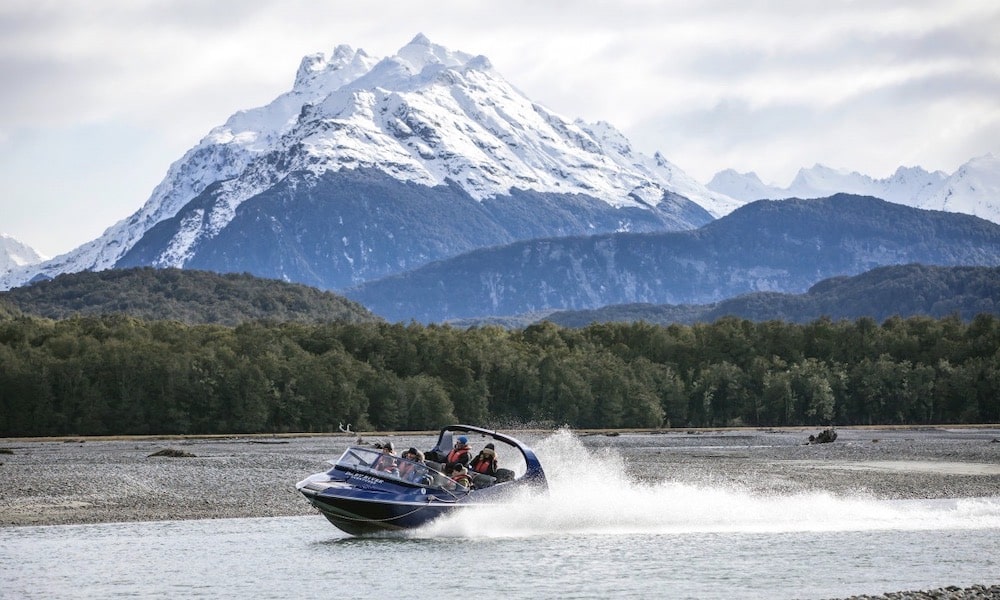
{"x":370,"y":490}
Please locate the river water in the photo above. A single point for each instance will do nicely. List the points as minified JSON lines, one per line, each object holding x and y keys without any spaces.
{"x":596,"y":534}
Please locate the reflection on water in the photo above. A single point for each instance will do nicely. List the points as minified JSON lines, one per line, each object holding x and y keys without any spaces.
{"x":597,"y":534}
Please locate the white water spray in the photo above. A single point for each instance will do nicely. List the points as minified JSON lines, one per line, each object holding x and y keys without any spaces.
{"x":590,"y":493}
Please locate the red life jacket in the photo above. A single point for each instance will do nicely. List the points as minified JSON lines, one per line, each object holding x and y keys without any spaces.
{"x":483,"y":465}
{"x":462,"y":479}
{"x":459,"y":455}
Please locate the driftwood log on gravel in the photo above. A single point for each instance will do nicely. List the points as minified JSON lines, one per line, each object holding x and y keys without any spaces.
{"x":173,"y":453}
{"x":825,"y":437}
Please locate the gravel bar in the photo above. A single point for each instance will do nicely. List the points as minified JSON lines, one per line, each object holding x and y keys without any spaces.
{"x":83,"y":480}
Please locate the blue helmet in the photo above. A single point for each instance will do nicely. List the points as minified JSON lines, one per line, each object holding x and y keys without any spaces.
{"x":463,"y":440}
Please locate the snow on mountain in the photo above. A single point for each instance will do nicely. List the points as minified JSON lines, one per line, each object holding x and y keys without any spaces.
{"x":909,"y":185}
{"x":972,"y":189}
{"x":745,"y":187}
{"x":821,"y":181}
{"x":905,"y":186}
{"x":14,"y":253}
{"x":428,"y":115}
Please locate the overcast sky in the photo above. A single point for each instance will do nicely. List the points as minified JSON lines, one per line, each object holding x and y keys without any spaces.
{"x":100,"y":96}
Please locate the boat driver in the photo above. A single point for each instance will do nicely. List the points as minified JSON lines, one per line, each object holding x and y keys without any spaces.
{"x":387,"y":462}
{"x":408,"y":469}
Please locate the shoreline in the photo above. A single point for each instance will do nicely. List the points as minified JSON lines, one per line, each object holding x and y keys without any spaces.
{"x":4,"y":441}
{"x":76,"y":480}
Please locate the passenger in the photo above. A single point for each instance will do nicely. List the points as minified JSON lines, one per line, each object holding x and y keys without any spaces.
{"x":485,"y":461}
{"x":461,"y":477}
{"x":460,"y":453}
{"x":387,"y":462}
{"x":408,"y":469}
{"x":420,"y":473}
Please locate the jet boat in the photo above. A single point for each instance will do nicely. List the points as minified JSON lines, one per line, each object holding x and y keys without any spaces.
{"x":369,"y":491}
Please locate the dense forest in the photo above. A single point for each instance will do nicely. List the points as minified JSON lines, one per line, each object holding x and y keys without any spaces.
{"x":90,"y":375}
{"x":185,"y":295}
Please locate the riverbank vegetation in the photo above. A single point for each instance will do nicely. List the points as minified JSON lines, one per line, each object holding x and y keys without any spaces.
{"x":106,"y":375}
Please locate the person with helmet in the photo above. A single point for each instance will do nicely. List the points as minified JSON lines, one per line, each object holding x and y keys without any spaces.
{"x":460,"y":453}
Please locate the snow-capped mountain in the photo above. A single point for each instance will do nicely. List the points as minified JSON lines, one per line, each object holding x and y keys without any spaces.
{"x":972,"y":189}
{"x":905,"y":186}
{"x":745,"y":187}
{"x":428,"y":116}
{"x":14,"y":253}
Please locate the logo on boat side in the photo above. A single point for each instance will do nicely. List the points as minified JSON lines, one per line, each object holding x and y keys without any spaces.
{"x":356,"y":477}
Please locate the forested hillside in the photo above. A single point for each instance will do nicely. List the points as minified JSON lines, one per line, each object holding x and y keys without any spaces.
{"x":907,"y":290}
{"x":192,"y":297}
{"x":121,"y":375}
{"x":767,"y":246}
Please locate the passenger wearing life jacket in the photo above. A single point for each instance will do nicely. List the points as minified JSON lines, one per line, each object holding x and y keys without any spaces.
{"x":485,"y":461}
{"x":461,"y":477}
{"x":460,"y":453}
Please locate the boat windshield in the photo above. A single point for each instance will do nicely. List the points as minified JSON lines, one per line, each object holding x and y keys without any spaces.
{"x":390,"y":466}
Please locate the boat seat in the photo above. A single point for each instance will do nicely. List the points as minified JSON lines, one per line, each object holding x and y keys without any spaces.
{"x":482,"y":480}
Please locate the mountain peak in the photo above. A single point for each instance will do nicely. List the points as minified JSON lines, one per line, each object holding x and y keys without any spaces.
{"x":420,"y":40}
{"x":14,"y":253}
{"x":343,"y":53}
{"x":317,"y":72}
{"x":989,"y":159}
{"x":742,"y":186}
{"x":421,"y":53}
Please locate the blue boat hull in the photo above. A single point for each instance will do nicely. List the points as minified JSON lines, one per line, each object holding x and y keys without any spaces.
{"x":358,"y":516}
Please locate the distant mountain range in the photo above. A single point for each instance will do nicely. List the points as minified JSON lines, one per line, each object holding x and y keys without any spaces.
{"x":779,"y":246}
{"x":973,"y":189}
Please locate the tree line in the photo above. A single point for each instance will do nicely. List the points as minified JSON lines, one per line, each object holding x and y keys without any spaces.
{"x":104,"y":375}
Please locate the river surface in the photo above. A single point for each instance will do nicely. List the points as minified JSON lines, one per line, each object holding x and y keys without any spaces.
{"x":597,"y":534}
{"x":878,"y":549}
